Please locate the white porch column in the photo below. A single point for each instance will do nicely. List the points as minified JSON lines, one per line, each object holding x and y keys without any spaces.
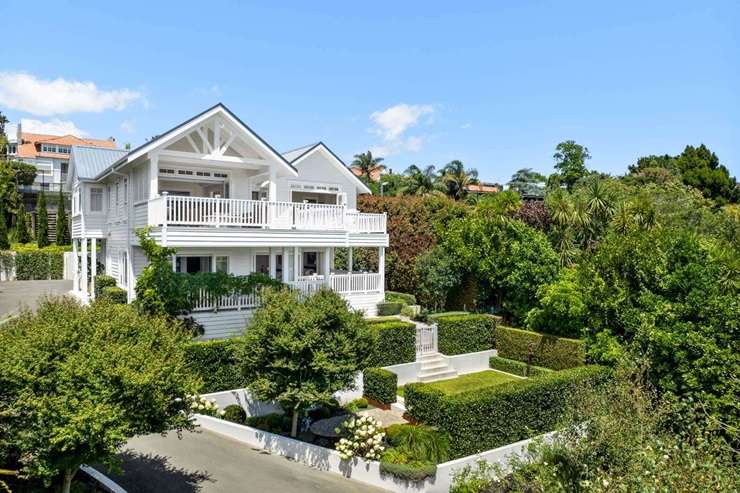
{"x":296,"y":263}
{"x":272,"y":190}
{"x":94,"y":266}
{"x":153,"y":175}
{"x":273,"y":263}
{"x":327,"y":263}
{"x":76,"y":266}
{"x":286,"y":274}
{"x":83,"y":278}
{"x":349,"y":260}
{"x":381,"y":268}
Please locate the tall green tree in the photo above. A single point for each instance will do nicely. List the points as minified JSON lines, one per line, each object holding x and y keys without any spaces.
{"x":299,"y":352}
{"x":457,"y":179}
{"x":570,"y":163}
{"x":528,"y":183}
{"x":421,"y":182}
{"x":77,"y":382}
{"x":22,"y":235}
{"x":62,"y":226}
{"x":42,"y":222}
{"x":367,"y":163}
{"x":4,"y":243}
{"x":3,"y":136}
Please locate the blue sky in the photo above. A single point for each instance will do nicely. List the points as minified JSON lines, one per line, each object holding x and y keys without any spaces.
{"x":495,"y":84}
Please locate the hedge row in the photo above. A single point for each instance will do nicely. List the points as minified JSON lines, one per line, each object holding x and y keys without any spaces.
{"x":389,"y":308}
{"x":396,"y":297}
{"x":379,"y":385}
{"x":549,"y":351}
{"x":395,"y":343}
{"x":465,"y":333}
{"x":216,"y":363}
{"x":103,"y":281}
{"x":516,"y":367}
{"x":491,"y":417}
{"x":114,"y":294}
{"x":39,"y":265}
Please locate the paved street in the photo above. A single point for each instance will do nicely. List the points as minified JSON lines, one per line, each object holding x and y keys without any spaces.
{"x":15,"y":294}
{"x":207,"y":462}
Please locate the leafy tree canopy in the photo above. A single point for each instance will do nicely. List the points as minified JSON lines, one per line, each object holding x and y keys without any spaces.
{"x":299,"y":352}
{"x":527,"y":183}
{"x":77,"y":382}
{"x":570,"y":164}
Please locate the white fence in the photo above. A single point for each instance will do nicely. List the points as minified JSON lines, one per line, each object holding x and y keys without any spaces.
{"x":206,"y":211}
{"x":204,"y":302}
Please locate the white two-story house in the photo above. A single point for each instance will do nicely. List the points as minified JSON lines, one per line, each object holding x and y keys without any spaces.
{"x":227,"y":201}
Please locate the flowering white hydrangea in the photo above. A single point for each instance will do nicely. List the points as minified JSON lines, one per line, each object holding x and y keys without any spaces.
{"x":364,"y":438}
{"x":201,"y":405}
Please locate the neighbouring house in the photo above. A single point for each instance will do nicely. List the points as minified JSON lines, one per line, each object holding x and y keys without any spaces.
{"x":482,"y":188}
{"x":227,"y":201}
{"x":50,"y":155}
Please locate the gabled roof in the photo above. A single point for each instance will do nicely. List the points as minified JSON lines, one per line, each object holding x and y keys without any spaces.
{"x":66,"y":140}
{"x":310,"y":149}
{"x":190,"y":123}
{"x":293,"y":154}
{"x":90,"y":161}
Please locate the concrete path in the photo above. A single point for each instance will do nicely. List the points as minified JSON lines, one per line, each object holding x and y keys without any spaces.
{"x":206,"y":462}
{"x":16,"y":294}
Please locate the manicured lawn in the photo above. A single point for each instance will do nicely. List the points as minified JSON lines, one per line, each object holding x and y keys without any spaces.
{"x":471,"y":381}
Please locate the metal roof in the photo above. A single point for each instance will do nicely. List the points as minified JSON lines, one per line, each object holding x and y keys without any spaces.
{"x":89,"y":161}
{"x":294,"y":154}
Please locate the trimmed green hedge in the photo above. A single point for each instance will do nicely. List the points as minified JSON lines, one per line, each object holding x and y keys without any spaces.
{"x":491,"y":417}
{"x":516,"y":367}
{"x":216,"y":363}
{"x":466,"y":333}
{"x":395,"y":343}
{"x":396,"y":297}
{"x":380,"y":385}
{"x":549,"y":351}
{"x":389,"y":308}
{"x":114,"y":294}
{"x":102,"y":281}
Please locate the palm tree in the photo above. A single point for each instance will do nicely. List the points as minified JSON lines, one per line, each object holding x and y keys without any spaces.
{"x":457,"y":179}
{"x":367,"y":164}
{"x":421,"y":182}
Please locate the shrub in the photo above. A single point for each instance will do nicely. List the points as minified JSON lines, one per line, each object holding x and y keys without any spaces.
{"x":216,"y":363}
{"x":396,"y":297}
{"x":562,"y":307}
{"x":389,"y":308}
{"x":235,"y":414}
{"x":410,"y":311}
{"x":380,"y":385}
{"x":361,"y":403}
{"x":394,"y":343}
{"x":33,"y":263}
{"x":549,"y":351}
{"x":114,"y":294}
{"x":420,"y":442}
{"x":492,"y":417}
{"x":468,"y":333}
{"x":271,"y":423}
{"x":516,"y":367}
{"x":363,"y":437}
{"x":103,"y":281}
{"x":410,"y":472}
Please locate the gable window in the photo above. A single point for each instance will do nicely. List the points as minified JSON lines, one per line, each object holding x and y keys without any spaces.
{"x":96,"y":199}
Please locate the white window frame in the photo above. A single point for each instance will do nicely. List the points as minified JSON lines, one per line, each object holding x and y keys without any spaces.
{"x":102,"y":199}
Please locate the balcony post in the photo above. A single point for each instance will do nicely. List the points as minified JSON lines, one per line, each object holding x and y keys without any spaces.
{"x":349,"y":260}
{"x":94,"y":266}
{"x":381,"y":268}
{"x":272,"y":190}
{"x":286,"y":274}
{"x":273,"y":263}
{"x":75,"y":265}
{"x":165,"y":210}
{"x":327,"y":266}
{"x":153,"y":175}
{"x":83,"y":278}
{"x":296,"y":263}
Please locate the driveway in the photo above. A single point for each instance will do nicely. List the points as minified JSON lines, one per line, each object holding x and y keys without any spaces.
{"x":206,"y":462}
{"x":17,"y":294}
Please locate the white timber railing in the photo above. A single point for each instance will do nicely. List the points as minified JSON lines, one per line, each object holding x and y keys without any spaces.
{"x":426,"y":339}
{"x":345,"y":284}
{"x":171,"y":210}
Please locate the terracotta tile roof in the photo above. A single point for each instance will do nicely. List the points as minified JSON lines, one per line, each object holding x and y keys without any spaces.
{"x":68,"y":140}
{"x":26,"y":150}
{"x":483,"y":188}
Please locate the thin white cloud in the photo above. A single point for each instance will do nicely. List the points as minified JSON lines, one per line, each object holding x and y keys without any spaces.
{"x":392,"y":124}
{"x":25,"y":92}
{"x":465,"y":126}
{"x":128,"y":126}
{"x":52,"y":127}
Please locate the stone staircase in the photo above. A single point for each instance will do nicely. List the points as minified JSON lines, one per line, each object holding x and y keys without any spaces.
{"x":435,"y":367}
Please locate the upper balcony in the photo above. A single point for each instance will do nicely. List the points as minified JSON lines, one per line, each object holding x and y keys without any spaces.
{"x":168,"y":210}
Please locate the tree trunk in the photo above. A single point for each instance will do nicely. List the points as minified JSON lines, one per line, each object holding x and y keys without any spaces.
{"x":294,"y":424}
{"x":69,"y":474}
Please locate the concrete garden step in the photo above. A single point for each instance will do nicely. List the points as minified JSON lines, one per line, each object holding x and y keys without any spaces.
{"x":437,"y":365}
{"x":439,"y":375}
